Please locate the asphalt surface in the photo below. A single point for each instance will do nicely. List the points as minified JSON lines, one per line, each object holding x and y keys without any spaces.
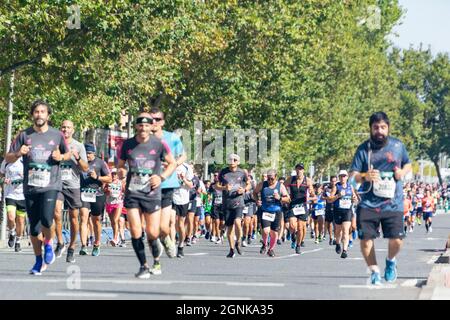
{"x":205,"y":272}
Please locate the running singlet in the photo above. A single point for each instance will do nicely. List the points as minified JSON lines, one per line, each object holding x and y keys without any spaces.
{"x":319,"y":207}
{"x":298,"y":192}
{"x":345,"y":202}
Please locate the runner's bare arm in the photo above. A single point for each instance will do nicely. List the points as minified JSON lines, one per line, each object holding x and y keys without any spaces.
{"x":400,"y":173}
{"x":122,"y":172}
{"x":284,"y":194}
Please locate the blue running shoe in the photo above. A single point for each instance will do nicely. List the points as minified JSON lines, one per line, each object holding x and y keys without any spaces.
{"x":354,"y":235}
{"x":36,"y":270}
{"x":390,"y":273}
{"x":293,"y":243}
{"x":375,"y":278}
{"x":49,"y":255}
{"x":288,"y":236}
{"x":350,"y":244}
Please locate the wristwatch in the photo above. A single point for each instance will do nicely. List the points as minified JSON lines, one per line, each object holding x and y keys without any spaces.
{"x":78,"y":159}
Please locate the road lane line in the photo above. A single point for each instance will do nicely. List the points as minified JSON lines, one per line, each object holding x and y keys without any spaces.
{"x":81,"y":295}
{"x":212,"y":298}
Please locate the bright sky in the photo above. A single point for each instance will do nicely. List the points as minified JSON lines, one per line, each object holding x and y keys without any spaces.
{"x":425,"y":21}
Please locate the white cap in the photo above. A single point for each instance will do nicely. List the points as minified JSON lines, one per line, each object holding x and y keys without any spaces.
{"x":343,"y":173}
{"x":233,"y":156}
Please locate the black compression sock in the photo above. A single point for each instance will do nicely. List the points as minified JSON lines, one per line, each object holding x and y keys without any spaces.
{"x":139,"y":249}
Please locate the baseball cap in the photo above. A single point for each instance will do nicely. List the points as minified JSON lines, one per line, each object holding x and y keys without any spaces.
{"x":90,"y":148}
{"x":343,"y":173}
{"x":300,"y":166}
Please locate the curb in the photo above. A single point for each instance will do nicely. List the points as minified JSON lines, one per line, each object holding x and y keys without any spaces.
{"x":438,"y":283}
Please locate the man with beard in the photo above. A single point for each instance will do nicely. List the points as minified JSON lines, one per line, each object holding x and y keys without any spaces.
{"x":380,"y":163}
{"x":42,"y":148}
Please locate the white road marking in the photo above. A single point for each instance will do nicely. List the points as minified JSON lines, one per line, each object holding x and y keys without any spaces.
{"x":212,"y":298}
{"x":147,"y":282}
{"x":412,"y":282}
{"x":81,"y":295}
{"x":368,"y":286}
{"x":280,"y":257}
{"x":432,"y":259}
{"x":196,"y":254}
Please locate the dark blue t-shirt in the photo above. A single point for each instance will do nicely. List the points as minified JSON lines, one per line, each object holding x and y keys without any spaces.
{"x":385,"y":159}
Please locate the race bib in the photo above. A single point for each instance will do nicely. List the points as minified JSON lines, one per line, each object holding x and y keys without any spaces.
{"x":17,"y":184}
{"x":66,"y":174}
{"x":385,"y":187}
{"x":299,"y":210}
{"x":140,"y":182}
{"x":245,"y":210}
{"x":88,"y":195}
{"x":269,"y":216}
{"x":320,"y":212}
{"x":218,"y":200}
{"x":345,"y":203}
{"x":39,"y":176}
{"x":115,"y":190}
{"x":190,"y":206}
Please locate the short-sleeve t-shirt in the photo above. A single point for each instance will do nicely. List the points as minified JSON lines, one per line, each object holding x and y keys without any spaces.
{"x":176,"y":148}
{"x":384,"y":159}
{"x":41,"y":172}
{"x":89,"y":184}
{"x":144,"y":160}
{"x":14,"y":173}
{"x":70,"y":170}
{"x":237,"y":179}
{"x":181,"y":195}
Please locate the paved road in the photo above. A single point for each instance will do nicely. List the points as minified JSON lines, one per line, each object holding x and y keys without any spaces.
{"x":205,"y":273}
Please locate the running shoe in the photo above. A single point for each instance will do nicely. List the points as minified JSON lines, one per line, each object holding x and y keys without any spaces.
{"x":263,"y":249}
{"x":390,"y":272}
{"x":17,"y":247}
{"x":344,"y":254}
{"x":249,"y":240}
{"x":302,"y":244}
{"x":271,"y":253}
{"x":143,"y":273}
{"x":59,"y":250}
{"x":12,"y":239}
{"x":338,"y":249}
{"x":375,"y":278}
{"x":169,"y":247}
{"x":70,"y":258}
{"x":36,"y":270}
{"x":180,"y":253}
{"x":244,"y":243}
{"x":238,"y":249}
{"x":49,"y":255}
{"x":279,"y":242}
{"x":96,"y":251}
{"x":83,"y":251}
{"x":298,"y":250}
{"x":293,"y":243}
{"x":156,"y":269}
{"x":231,"y":254}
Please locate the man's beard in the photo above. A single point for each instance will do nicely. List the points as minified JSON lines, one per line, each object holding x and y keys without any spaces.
{"x":378,"y":141}
{"x":40,"y":124}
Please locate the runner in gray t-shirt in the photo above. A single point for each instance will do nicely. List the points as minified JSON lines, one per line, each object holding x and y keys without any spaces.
{"x":42,"y":149}
{"x":70,"y":194}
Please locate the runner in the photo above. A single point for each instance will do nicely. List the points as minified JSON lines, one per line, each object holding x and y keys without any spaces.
{"x":284,"y":222}
{"x":114,"y":205}
{"x":144,"y":153}
{"x":198,"y":211}
{"x":428,"y":205}
{"x":329,"y":215}
{"x":270,"y":194}
{"x":168,"y":186}
{"x":298,"y":187}
{"x":381,"y":163}
{"x":192,"y":208}
{"x":234,"y":182}
{"x":217,"y":213}
{"x":41,"y":148}
{"x":181,"y":202}
{"x":15,"y":201}
{"x":248,"y":212}
{"x":407,"y":209}
{"x":419,"y":209}
{"x":70,"y":195}
{"x":319,"y":204}
{"x":93,"y":199}
{"x":344,"y":195}
{"x":207,"y":200}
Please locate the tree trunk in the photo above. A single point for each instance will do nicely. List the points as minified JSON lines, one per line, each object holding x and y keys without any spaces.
{"x":436,"y":165}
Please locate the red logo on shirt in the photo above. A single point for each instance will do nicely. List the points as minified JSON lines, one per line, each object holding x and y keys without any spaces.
{"x":152,"y":152}
{"x":389,"y":157}
{"x":52,"y":143}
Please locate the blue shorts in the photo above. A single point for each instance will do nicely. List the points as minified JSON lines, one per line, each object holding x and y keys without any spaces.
{"x":427,"y":215}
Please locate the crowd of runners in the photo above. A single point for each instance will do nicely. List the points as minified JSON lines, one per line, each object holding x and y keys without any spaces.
{"x":155,"y":194}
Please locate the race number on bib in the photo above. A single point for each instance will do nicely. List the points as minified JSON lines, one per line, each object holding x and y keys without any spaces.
{"x":39,"y":178}
{"x":218,"y":200}
{"x":140,"y":183}
{"x":345,"y":203}
{"x":88,"y":195}
{"x":299,"y":210}
{"x":115,"y":190}
{"x":66,"y":174}
{"x":320,"y":212}
{"x":269,"y":216}
{"x":385,"y":187}
{"x":245,"y":210}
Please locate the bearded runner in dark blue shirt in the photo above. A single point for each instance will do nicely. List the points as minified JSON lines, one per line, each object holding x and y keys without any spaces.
{"x":380,"y":163}
{"x":144,"y":153}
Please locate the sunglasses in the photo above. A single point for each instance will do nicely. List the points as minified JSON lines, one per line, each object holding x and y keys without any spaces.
{"x":158,"y":119}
